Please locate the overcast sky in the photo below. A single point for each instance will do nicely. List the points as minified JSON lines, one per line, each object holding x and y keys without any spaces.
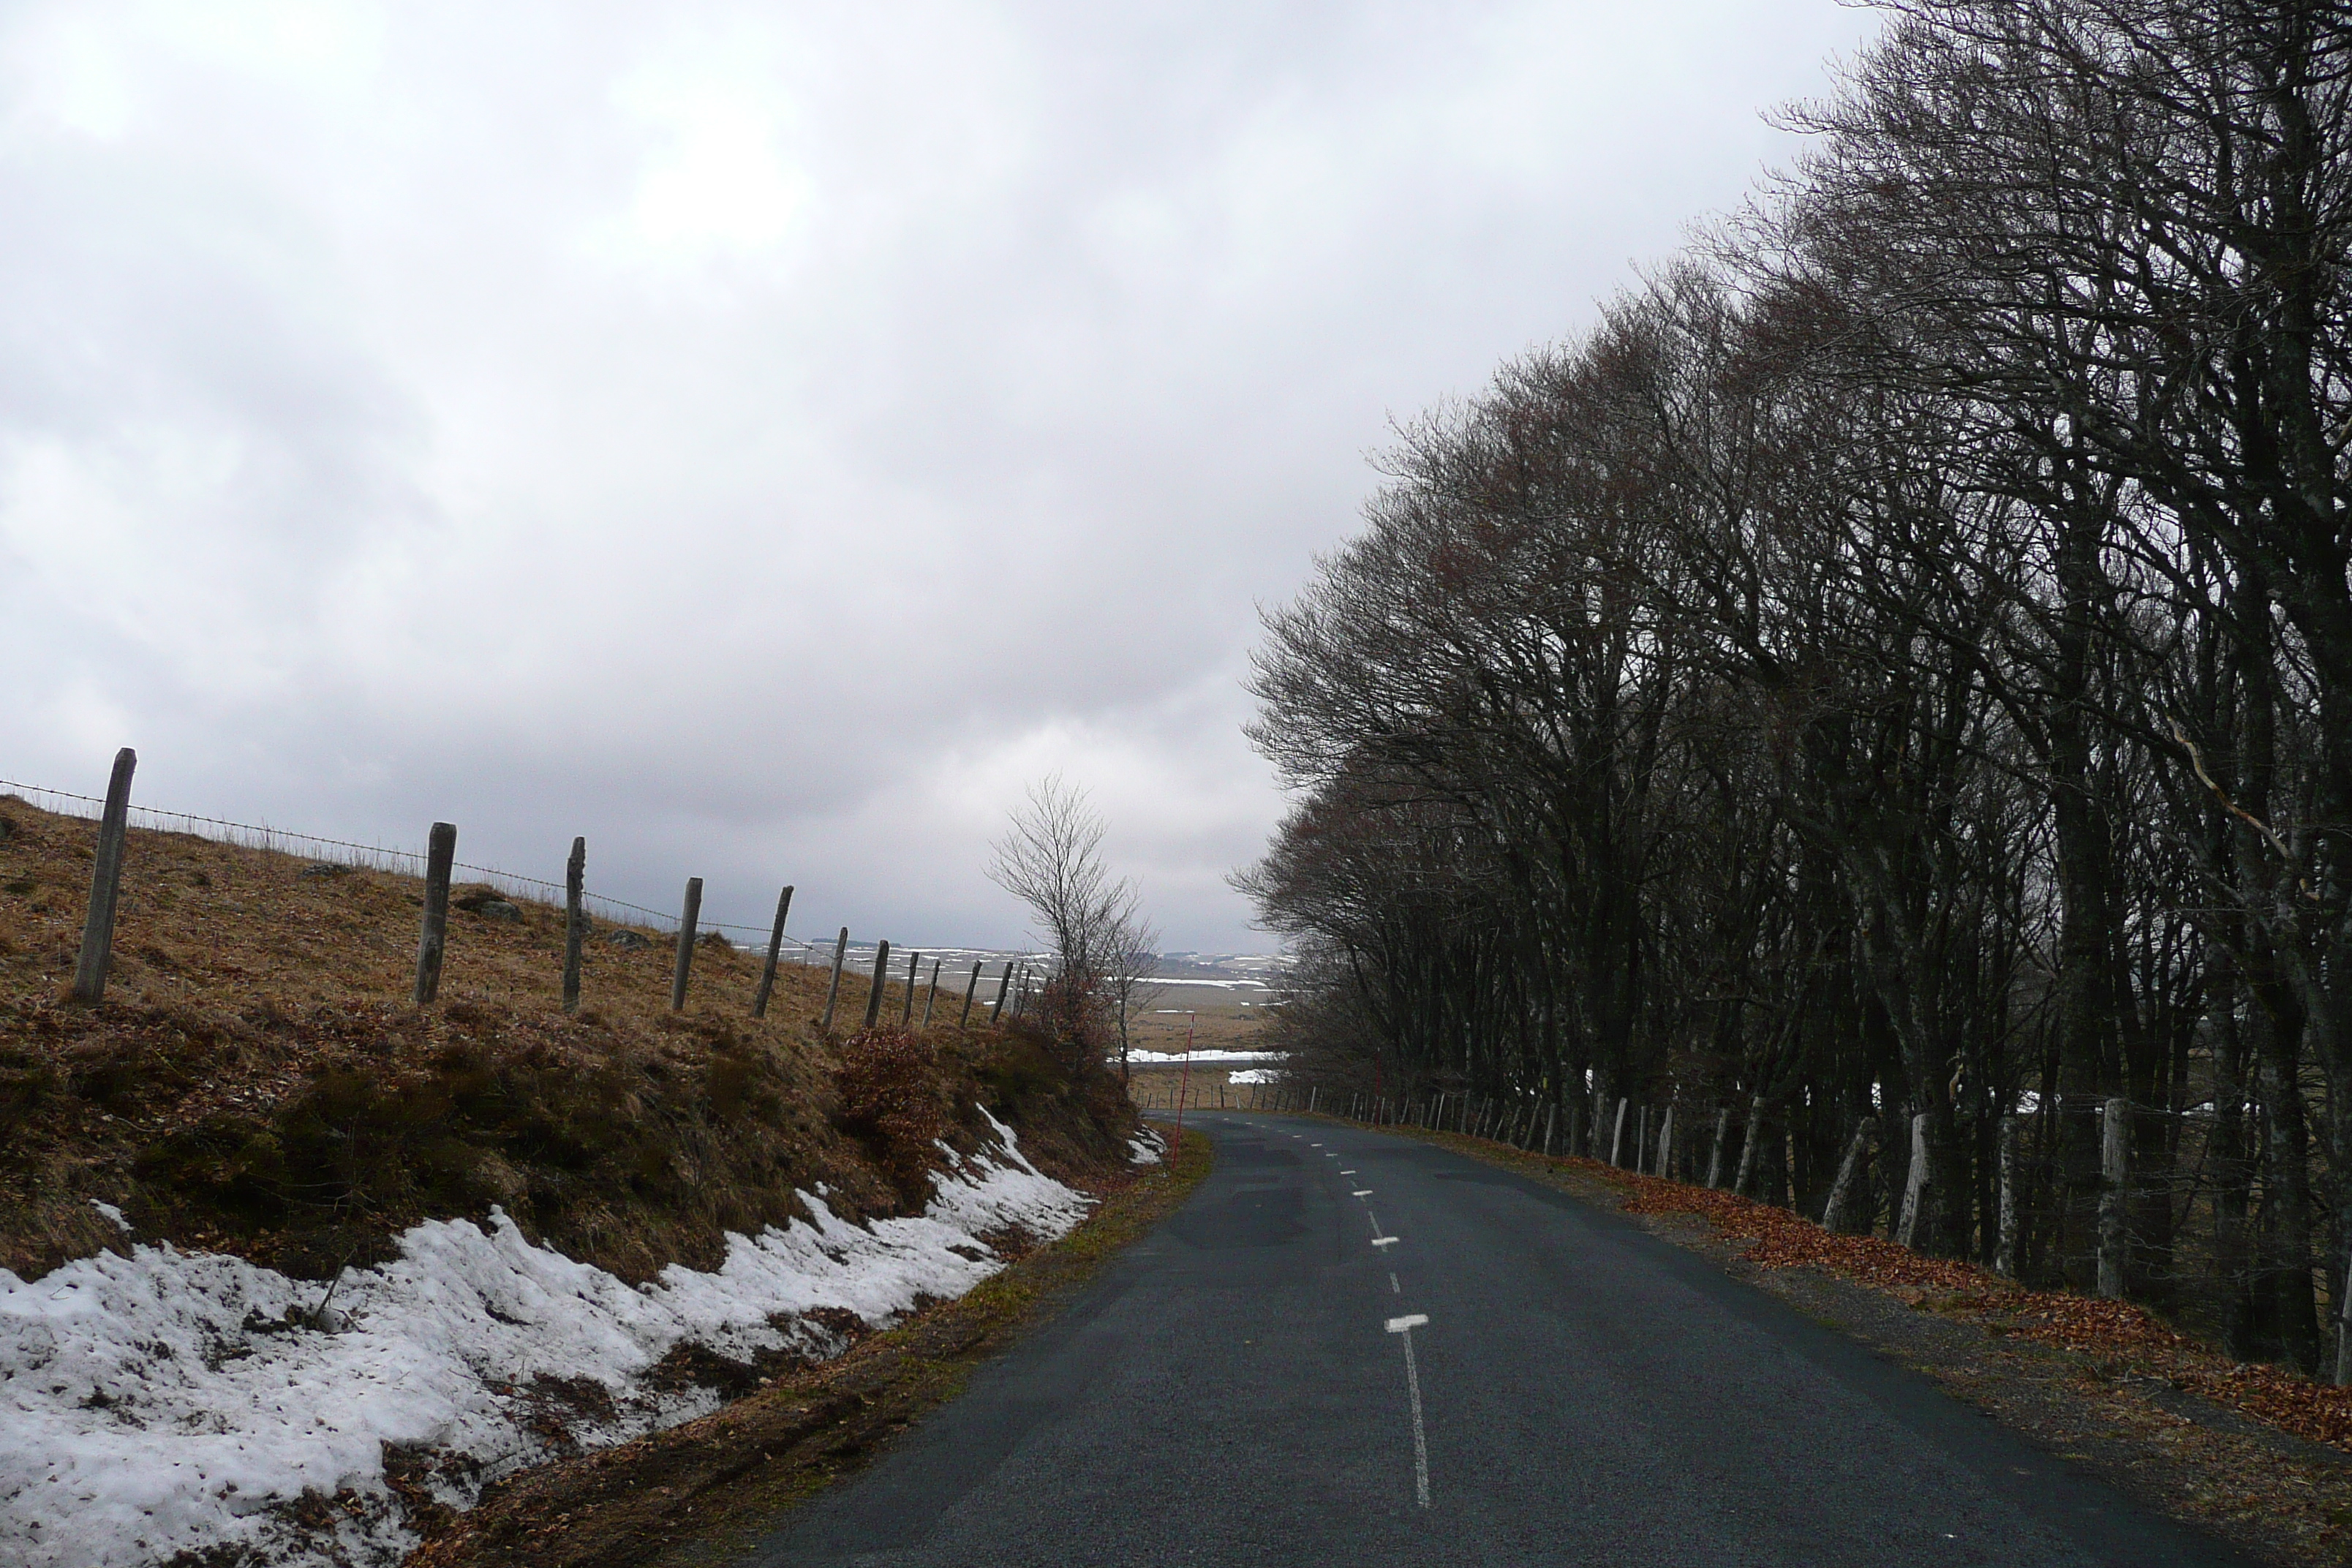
{"x":762,"y":438}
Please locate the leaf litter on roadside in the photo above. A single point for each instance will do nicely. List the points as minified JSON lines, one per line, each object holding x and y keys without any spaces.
{"x":2110,"y":1332}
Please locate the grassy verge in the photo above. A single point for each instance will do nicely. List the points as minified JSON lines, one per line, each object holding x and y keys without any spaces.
{"x":697,"y":1493}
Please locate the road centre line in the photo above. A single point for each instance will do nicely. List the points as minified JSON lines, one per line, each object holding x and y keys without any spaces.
{"x":1359,"y":1192}
{"x":1384,"y":1241}
{"x":1403,"y":1328}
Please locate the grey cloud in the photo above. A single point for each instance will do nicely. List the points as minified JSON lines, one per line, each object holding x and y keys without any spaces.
{"x":756,"y":437}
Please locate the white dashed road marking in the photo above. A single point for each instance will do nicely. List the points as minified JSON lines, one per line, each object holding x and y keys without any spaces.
{"x":1403,"y":1328}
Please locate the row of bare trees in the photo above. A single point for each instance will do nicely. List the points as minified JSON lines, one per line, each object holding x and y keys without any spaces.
{"x":1898,"y":664}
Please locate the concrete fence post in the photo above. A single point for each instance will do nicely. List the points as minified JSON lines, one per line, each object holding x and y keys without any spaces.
{"x":1715,"y":1158}
{"x":1837,"y":1216}
{"x":1916,"y":1184}
{"x":1617,"y":1137}
{"x":105,"y":884}
{"x":2114,"y":1198}
{"x":440,"y":854}
{"x":688,"y":917}
{"x":2005,"y":1260}
{"x":2344,"y":1320}
{"x":1751,"y":1145}
{"x":775,"y":949}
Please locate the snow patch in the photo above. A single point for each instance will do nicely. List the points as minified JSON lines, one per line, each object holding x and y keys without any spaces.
{"x":1204,"y":1057}
{"x":169,"y":1402}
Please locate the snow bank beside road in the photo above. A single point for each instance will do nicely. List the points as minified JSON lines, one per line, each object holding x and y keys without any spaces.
{"x":165,"y":1401}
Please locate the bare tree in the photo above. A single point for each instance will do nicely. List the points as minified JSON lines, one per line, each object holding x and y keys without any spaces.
{"x":1133,"y":953}
{"x":1051,"y":859}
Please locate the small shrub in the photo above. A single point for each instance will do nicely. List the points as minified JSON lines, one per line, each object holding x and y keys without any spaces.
{"x":890,"y":1100}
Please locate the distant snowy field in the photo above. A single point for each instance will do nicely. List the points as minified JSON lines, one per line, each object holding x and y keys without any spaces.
{"x":161,"y":1403}
{"x":1201,"y":1058}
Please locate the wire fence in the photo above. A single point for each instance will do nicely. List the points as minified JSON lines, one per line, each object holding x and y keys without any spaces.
{"x":601,"y":907}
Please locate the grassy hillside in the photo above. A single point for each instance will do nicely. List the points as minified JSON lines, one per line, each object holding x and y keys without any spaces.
{"x":256,"y":1081}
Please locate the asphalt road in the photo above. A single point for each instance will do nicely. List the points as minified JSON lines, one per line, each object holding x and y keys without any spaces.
{"x":1351,"y":1349}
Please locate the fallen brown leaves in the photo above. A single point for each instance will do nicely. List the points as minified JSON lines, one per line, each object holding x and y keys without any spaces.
{"x":2116,"y":1336}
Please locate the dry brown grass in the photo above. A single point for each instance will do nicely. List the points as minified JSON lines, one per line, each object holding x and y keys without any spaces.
{"x":1218,"y":1023}
{"x":257,"y":1082}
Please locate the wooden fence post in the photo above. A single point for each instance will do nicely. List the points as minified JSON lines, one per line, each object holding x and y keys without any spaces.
{"x":2005,"y":1260}
{"x":906,"y":1014}
{"x":1836,"y":1214}
{"x":776,"y":947}
{"x":1002,"y":985}
{"x":2114,"y":1198}
{"x":576,"y":875}
{"x":105,"y":883}
{"x":970,"y":988}
{"x":881,"y":979}
{"x":1915,"y":1185}
{"x":686,"y":920}
{"x":931,"y":993}
{"x":833,"y":991}
{"x":440,"y":853}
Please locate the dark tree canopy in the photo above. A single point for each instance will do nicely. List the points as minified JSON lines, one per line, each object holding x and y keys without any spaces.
{"x":1894,"y":674}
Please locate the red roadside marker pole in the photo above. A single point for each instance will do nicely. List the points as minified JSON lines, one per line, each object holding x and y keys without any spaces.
{"x":1183,"y":1082}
